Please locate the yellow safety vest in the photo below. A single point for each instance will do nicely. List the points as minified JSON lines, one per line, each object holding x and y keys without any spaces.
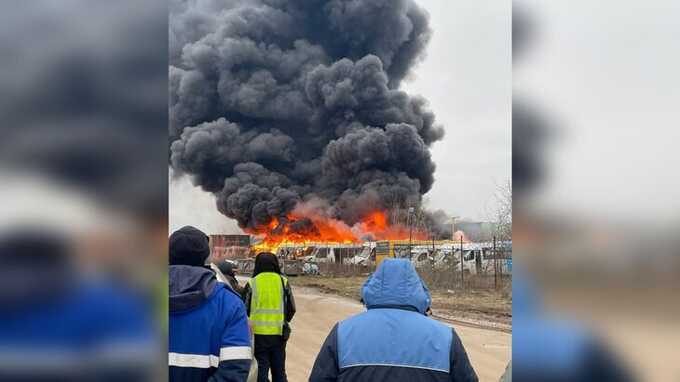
{"x":267,"y":303}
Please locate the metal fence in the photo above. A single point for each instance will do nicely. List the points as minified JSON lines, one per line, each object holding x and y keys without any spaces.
{"x":447,"y":278}
{"x":342,"y":270}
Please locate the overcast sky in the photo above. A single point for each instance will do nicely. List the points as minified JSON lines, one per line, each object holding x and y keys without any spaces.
{"x":466,"y":77}
{"x":605,"y":75}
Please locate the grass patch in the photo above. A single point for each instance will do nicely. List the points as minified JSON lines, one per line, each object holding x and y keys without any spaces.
{"x":485,"y":305}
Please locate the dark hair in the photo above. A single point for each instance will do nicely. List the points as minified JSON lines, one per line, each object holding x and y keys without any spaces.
{"x":266,"y":262}
{"x":226,"y":267}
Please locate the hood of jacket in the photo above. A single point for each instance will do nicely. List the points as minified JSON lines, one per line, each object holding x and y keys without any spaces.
{"x":189,"y":287}
{"x":266,"y":262}
{"x":395,"y":284}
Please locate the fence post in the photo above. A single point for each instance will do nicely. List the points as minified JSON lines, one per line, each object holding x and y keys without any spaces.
{"x":495,"y":265}
{"x":462,"y":264}
{"x":452,"y":265}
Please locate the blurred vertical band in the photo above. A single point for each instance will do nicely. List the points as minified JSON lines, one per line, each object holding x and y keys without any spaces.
{"x":596,"y":213}
{"x":83,"y":189}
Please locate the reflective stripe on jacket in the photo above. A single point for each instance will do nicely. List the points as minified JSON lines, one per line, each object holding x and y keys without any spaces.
{"x":208,"y":329}
{"x":267,"y":303}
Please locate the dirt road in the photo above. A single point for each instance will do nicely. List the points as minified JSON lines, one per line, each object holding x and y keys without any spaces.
{"x":489,"y":351}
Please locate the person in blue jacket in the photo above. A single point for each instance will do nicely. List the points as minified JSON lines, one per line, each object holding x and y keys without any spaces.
{"x":547,"y":348}
{"x":393,"y":340}
{"x":59,"y":324}
{"x":208,"y":331}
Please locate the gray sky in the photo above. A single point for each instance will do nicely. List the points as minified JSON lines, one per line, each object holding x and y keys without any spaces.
{"x":605,"y":73}
{"x":466,"y":77}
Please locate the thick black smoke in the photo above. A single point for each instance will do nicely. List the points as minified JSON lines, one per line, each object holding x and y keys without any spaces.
{"x":84,"y":98}
{"x":276,"y":102}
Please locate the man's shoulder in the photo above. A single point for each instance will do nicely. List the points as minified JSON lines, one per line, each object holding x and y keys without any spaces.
{"x":407,"y":319}
{"x":438,"y":327}
{"x":226,"y":297}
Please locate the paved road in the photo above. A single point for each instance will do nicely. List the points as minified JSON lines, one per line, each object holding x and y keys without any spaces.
{"x":489,"y":350}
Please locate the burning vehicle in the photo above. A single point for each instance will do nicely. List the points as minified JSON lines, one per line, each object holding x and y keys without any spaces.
{"x":366,"y":257}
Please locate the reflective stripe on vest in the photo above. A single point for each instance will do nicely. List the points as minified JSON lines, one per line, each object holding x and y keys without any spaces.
{"x":267,"y":304}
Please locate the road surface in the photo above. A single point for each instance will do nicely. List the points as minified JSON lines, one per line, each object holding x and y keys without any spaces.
{"x":489,"y":350}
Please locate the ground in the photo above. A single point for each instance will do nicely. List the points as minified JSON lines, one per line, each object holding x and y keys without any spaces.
{"x":486,"y":307}
{"x":322,"y":302}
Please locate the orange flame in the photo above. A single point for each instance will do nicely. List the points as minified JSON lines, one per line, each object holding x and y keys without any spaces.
{"x":377,"y":226}
{"x":331,"y":231}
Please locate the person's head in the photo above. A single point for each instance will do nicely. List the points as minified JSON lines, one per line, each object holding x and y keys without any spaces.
{"x":396,"y":284}
{"x":35,"y":264}
{"x":226,"y":267}
{"x":266,"y":262}
{"x":189,"y":246}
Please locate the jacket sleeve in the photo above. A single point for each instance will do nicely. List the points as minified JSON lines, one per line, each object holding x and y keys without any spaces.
{"x":290,"y":303}
{"x":235,"y":350}
{"x":326,"y":365}
{"x":246,"y":295}
{"x":235,"y":285}
{"x":461,"y":369}
{"x":602,"y":365}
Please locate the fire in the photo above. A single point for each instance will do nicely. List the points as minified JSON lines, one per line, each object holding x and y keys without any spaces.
{"x":302,"y":230}
{"x":376,"y":225}
{"x":305,"y":228}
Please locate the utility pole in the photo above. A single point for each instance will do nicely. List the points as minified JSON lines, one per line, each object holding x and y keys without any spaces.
{"x":462,"y":258}
{"x":453,"y":250}
{"x":495,"y":265}
{"x":433,"y":250}
{"x":410,"y":233}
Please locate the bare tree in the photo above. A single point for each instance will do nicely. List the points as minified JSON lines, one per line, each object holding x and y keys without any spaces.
{"x":502,"y":212}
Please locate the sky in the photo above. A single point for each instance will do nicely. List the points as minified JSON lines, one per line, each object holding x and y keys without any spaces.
{"x":605,"y":76}
{"x":466,"y":77}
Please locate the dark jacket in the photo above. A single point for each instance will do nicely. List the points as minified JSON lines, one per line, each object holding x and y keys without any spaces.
{"x":224,"y":271}
{"x":208,"y":333}
{"x":394,"y":340}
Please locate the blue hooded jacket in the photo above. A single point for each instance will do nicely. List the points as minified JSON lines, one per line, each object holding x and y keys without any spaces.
{"x":209,"y":336}
{"x":393,"y":340}
{"x":546,"y":348}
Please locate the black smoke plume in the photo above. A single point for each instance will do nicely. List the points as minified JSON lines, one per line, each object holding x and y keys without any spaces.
{"x":273,"y":103}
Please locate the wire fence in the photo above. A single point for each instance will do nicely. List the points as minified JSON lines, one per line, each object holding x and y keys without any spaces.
{"x":434,"y":278}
